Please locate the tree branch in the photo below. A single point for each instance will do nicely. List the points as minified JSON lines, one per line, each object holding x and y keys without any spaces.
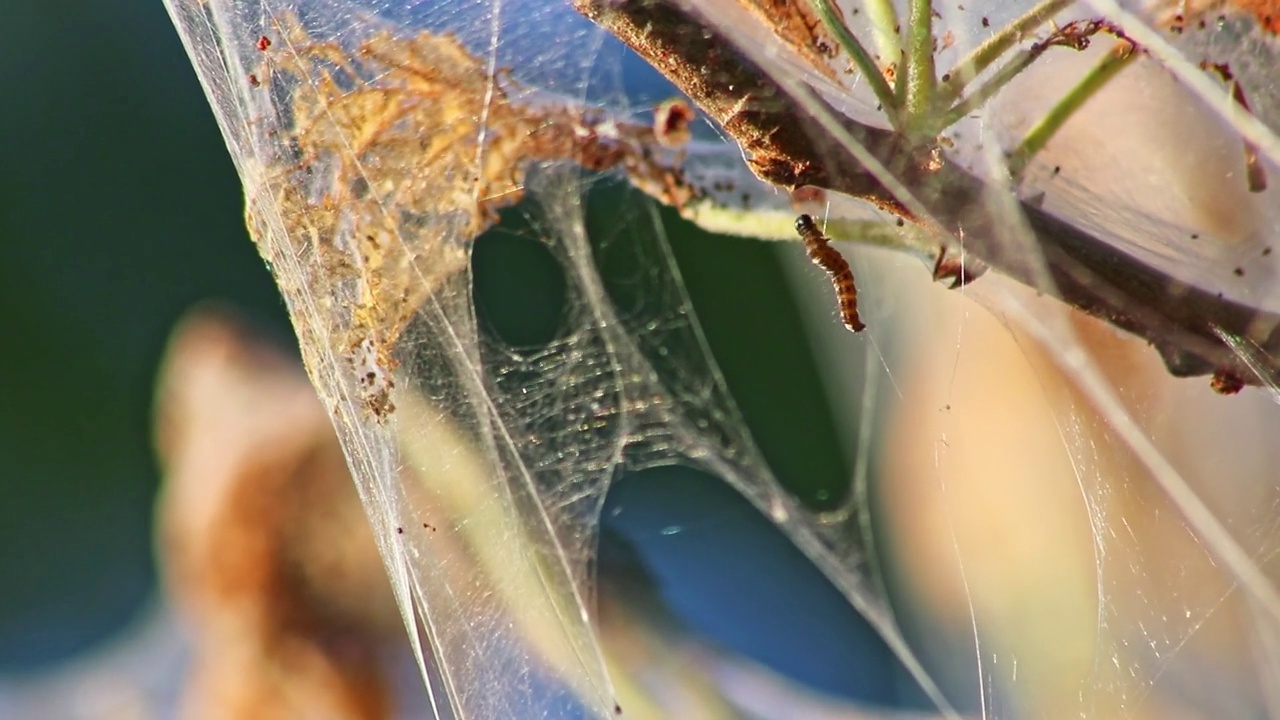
{"x":788,"y":147}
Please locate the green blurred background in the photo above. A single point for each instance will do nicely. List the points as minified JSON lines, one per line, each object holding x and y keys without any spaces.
{"x":119,"y":210}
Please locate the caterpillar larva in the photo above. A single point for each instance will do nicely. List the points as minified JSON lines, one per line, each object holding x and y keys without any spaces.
{"x":818,"y":246}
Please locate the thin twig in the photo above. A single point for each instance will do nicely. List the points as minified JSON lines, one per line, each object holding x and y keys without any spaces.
{"x":976,"y":62}
{"x":1002,"y":77}
{"x":1117,"y":59}
{"x":1074,"y":35}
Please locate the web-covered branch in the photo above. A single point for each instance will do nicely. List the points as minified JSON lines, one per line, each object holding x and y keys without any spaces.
{"x":789,"y":145}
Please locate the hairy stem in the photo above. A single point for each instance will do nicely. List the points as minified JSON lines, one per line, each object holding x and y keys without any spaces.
{"x":918,"y":71}
{"x":884,"y":23}
{"x":853,"y":47}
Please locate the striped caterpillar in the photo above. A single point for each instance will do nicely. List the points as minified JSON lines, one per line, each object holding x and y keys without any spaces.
{"x":818,"y":247}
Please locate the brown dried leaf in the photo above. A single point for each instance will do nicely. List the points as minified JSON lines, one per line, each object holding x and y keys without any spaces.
{"x":392,"y":156}
{"x":264,"y":547}
{"x":799,"y":27}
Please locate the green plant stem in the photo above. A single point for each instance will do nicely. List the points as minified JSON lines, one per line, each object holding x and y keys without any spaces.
{"x":973,"y":65}
{"x":995,"y":84}
{"x":861,"y":58}
{"x":1117,"y":59}
{"x":884,"y":23}
{"x":918,"y":73}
